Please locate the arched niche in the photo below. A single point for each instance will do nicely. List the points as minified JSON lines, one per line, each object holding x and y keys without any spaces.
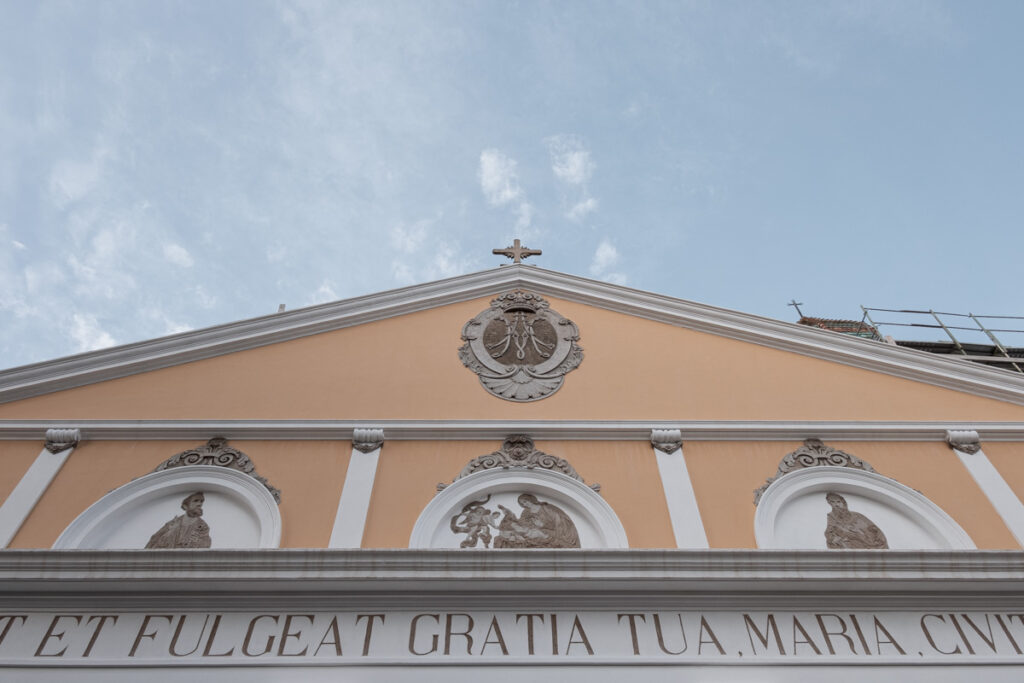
{"x":239,"y":510}
{"x":597,"y":524}
{"x":793,"y":511}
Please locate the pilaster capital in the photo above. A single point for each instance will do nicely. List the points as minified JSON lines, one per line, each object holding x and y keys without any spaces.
{"x":60,"y":440}
{"x":367,"y":440}
{"x":963,"y":440}
{"x":667,"y":440}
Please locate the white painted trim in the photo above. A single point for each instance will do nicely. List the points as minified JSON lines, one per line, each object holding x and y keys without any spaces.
{"x":354,"y":504}
{"x":88,"y":528}
{"x":96,"y":366}
{"x":33,"y":484}
{"x":995,"y":488}
{"x":682,"y":501}
{"x":908,"y":502}
{"x":592,"y":579}
{"x":487,"y":430}
{"x":560,"y":488}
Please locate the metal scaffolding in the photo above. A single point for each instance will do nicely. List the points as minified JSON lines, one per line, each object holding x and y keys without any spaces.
{"x":946,"y":326}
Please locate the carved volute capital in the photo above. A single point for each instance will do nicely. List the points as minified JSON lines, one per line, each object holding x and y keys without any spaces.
{"x":367,"y":440}
{"x":667,"y":440}
{"x":963,"y":440}
{"x":813,"y":453}
{"x":59,"y":440}
{"x":518,"y":452}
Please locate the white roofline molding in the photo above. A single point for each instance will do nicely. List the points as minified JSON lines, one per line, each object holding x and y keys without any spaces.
{"x":474,"y":430}
{"x":97,"y":366}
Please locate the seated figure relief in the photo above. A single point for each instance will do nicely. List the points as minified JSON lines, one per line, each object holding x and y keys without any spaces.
{"x":540,"y":525}
{"x":184,"y":531}
{"x":850,"y":530}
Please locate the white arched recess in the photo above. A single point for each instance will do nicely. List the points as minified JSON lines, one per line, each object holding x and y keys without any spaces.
{"x":596,"y":522}
{"x":792,"y":512}
{"x":239,"y":510}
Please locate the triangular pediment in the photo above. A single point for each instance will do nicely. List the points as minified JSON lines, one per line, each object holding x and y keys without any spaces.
{"x":658,"y":340}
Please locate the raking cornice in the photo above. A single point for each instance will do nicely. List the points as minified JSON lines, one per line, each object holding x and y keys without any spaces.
{"x":97,"y":366}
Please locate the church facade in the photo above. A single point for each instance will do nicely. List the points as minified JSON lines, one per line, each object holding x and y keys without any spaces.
{"x":511,"y":475}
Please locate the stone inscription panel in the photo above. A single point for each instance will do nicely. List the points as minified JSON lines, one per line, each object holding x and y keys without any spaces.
{"x":438,"y":637}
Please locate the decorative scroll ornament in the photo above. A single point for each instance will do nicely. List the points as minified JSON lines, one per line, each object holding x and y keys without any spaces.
{"x":520,"y":348}
{"x":965,"y":441}
{"x":59,"y":440}
{"x":367,"y":440}
{"x":217,"y":452}
{"x":518,"y":452}
{"x":813,"y":454}
{"x":667,"y":440}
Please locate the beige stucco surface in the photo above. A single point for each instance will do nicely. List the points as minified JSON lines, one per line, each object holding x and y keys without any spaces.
{"x":409,"y":471}
{"x":407,"y":368}
{"x":15,"y":459}
{"x":1008,"y":459}
{"x":310,"y":475}
{"x":725,"y":474}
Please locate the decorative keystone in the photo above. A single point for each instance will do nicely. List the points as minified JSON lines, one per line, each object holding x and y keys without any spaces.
{"x":367,"y":440}
{"x":60,"y":440}
{"x":963,"y":440}
{"x":667,"y":440}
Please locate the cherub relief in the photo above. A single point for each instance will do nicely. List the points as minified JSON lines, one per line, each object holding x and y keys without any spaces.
{"x":476,"y":521}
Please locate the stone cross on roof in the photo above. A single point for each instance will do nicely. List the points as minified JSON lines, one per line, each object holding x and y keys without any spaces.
{"x":517,"y":252}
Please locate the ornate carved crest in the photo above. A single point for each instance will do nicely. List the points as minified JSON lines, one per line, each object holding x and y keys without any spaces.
{"x":518,"y":451}
{"x":813,"y":454}
{"x":520,"y":348}
{"x":217,"y":452}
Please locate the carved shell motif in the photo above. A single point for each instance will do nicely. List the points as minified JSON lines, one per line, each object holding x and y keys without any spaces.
{"x":519,"y":348}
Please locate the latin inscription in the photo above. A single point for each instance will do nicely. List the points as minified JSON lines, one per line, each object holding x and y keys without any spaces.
{"x":441,"y":635}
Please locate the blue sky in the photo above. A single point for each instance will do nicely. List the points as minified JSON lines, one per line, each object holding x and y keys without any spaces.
{"x":167,"y":166}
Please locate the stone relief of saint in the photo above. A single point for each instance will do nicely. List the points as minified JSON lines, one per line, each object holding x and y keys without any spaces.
{"x":541,"y":525}
{"x":846,"y":529}
{"x":184,"y":531}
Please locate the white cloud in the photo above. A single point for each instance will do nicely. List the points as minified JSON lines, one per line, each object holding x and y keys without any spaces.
{"x":87,"y":333}
{"x":606,"y":257}
{"x":18,"y":245}
{"x":498,"y":179}
{"x":570,"y":159}
{"x":324,"y":293}
{"x":524,"y":220}
{"x":275,"y":252}
{"x":582,"y":208}
{"x":71,"y":180}
{"x":178,"y":255}
{"x":409,"y":239}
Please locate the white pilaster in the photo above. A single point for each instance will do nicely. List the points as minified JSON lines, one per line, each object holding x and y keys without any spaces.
{"x":967,"y":446}
{"x":354,"y":504}
{"x":675,"y":479}
{"x":16,"y":509}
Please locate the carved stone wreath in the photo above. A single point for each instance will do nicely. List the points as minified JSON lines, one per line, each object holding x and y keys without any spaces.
{"x":813,"y":453}
{"x":519,"y":348}
{"x":518,"y":452}
{"x":217,"y":452}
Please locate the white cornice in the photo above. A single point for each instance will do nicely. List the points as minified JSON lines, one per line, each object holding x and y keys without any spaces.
{"x":593,"y":578}
{"x":465,"y":430}
{"x":96,"y":366}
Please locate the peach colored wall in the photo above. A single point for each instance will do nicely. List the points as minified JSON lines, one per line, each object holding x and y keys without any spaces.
{"x":407,"y":368}
{"x":725,"y":475}
{"x":15,"y":459}
{"x":409,"y":471}
{"x":310,"y":475}
{"x":1008,"y":459}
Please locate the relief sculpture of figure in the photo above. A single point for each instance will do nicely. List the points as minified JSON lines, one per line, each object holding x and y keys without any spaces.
{"x":184,"y":531}
{"x":541,"y":525}
{"x":476,"y":521}
{"x":846,"y":529}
